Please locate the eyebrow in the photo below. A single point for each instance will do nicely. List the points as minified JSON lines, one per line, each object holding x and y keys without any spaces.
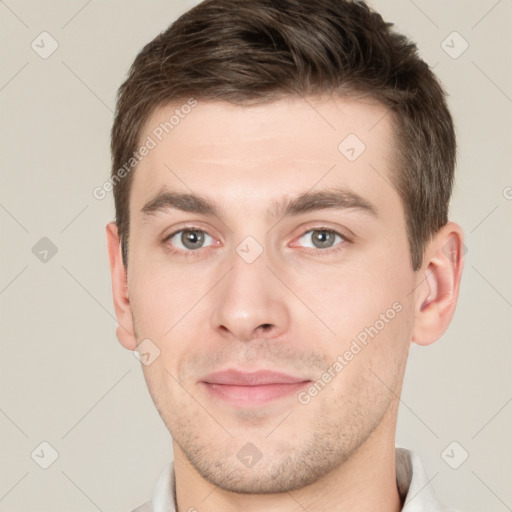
{"x":332,"y":198}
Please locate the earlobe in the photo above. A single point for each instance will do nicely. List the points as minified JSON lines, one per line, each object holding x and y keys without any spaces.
{"x":437,"y":292}
{"x":125,"y":329}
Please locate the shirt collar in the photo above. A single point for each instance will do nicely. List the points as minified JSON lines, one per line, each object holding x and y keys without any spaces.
{"x":414,"y":485}
{"x":412,"y":482}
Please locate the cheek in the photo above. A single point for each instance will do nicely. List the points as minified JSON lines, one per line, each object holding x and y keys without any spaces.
{"x":353,"y":292}
{"x":161,"y":296}
{"x":390,"y":347}
{"x":346,"y":300}
{"x":162,"y":388}
{"x":364,"y":308}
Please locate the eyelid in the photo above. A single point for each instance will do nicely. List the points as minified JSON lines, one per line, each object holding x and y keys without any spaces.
{"x":345,"y":239}
{"x":192,"y":226}
{"x":188,"y":227}
{"x":180,"y":242}
{"x":304,"y":231}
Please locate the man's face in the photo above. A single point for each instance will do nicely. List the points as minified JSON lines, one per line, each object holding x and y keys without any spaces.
{"x":252,"y":288}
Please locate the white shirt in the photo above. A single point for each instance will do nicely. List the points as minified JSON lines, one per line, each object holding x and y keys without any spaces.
{"x":411,"y":480}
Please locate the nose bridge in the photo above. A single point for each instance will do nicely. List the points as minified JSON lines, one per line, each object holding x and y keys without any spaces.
{"x":246,"y":303}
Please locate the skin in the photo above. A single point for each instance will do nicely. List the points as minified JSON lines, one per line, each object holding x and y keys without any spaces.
{"x":207,"y":311}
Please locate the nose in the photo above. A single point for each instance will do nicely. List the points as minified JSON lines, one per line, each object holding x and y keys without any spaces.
{"x":249,"y":302}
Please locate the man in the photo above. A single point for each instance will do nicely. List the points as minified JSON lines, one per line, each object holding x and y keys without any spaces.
{"x":282,"y":173}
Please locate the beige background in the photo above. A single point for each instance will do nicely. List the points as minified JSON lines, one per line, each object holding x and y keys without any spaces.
{"x":64,"y":378}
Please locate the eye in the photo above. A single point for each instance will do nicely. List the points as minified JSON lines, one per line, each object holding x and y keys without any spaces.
{"x":322,"y":239}
{"x":189,"y":239}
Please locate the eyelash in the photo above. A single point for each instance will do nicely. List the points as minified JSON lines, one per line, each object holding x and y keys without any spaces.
{"x":321,"y":252}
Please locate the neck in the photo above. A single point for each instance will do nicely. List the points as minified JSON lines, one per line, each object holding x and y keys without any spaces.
{"x":365,"y":482}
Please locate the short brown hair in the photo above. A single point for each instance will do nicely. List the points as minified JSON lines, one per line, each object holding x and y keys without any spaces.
{"x":258,"y":51}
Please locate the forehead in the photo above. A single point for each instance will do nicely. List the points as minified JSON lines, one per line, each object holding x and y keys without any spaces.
{"x":259,"y":153}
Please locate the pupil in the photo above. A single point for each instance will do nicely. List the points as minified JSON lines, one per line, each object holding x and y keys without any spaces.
{"x":324,"y":238}
{"x":192,"y":239}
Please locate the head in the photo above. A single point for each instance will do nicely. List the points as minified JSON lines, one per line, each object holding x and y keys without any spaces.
{"x":289,"y":212}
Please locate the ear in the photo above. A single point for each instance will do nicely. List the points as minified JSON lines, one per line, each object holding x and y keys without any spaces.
{"x":437,"y":288}
{"x":125,"y":331}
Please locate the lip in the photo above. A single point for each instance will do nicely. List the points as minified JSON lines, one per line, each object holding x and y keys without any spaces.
{"x":246,"y":389}
{"x":257,"y":378}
